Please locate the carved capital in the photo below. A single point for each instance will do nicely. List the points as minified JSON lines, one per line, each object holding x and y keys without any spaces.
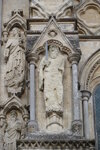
{"x":74,"y":58}
{"x":32,"y":58}
{"x":25,"y":117}
{"x":5,"y":36}
{"x":77,"y":127}
{"x":85,"y":95}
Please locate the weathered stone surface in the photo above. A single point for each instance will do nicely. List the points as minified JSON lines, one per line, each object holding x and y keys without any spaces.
{"x":43,"y":86}
{"x":12,"y":131}
{"x":15,"y":63}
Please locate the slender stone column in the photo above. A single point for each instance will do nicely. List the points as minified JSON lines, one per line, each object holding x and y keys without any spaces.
{"x":32,"y":91}
{"x":32,"y":126}
{"x":76,"y":124}
{"x":0,"y":21}
{"x":0,"y":28}
{"x":85,"y":97}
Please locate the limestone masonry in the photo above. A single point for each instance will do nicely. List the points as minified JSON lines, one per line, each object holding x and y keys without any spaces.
{"x":50,"y":74}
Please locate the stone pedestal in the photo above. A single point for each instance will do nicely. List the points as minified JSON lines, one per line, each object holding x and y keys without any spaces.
{"x":54,"y":122}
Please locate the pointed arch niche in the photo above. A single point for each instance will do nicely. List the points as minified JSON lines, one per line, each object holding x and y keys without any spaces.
{"x":90,"y":81}
{"x":40,"y":113}
{"x":38,"y":55}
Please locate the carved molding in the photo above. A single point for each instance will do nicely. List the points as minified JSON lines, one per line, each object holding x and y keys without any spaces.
{"x":65,"y":10}
{"x":82,"y":30}
{"x":44,"y":8}
{"x":56,"y":144}
{"x":91,"y":77}
{"x":42,"y":49}
{"x":13,"y":102}
{"x":16,"y":21}
{"x":86,"y":12}
{"x":88,"y":15}
{"x":87,"y":71}
{"x":37,"y":11}
{"x":77,"y":2}
{"x":57,"y":43}
{"x":69,"y":44}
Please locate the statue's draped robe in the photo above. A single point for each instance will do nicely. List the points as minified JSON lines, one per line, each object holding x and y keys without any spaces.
{"x":15,"y":65}
{"x":12,"y":134}
{"x":51,"y":79}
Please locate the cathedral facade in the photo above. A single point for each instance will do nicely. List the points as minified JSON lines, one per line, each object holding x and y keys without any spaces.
{"x":49,"y":74}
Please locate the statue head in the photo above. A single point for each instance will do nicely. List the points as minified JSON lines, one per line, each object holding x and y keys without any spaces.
{"x":53,"y":51}
{"x":15,"y":31}
{"x":13,"y":114}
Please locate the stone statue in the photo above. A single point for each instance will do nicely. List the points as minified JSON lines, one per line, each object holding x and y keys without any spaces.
{"x":13,"y":131}
{"x":51,"y":72}
{"x":15,"y":59}
{"x":2,"y":130}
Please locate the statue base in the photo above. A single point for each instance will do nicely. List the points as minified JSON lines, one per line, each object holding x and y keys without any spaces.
{"x":54,"y":122}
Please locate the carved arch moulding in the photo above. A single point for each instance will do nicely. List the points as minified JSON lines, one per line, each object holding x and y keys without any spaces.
{"x":54,"y":35}
{"x":13,"y":103}
{"x":13,"y":122}
{"x":57,"y":43}
{"x":34,"y":55}
{"x":90,"y":74}
{"x":16,"y":20}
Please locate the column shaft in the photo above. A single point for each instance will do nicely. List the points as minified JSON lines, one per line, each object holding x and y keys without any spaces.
{"x":32,"y":92}
{"x":86,"y":119}
{"x":85,"y":97}
{"x":0,"y":21}
{"x":0,"y":28}
{"x":76,"y":104}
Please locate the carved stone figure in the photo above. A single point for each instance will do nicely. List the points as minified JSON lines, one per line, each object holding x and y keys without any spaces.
{"x":2,"y":130}
{"x":15,"y":59}
{"x":13,"y":131}
{"x":51,"y":79}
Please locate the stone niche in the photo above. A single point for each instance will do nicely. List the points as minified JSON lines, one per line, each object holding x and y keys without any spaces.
{"x":53,"y":93}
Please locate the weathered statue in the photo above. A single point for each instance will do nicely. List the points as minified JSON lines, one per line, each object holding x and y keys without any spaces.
{"x":13,"y":131}
{"x":15,"y":59}
{"x":51,"y":72}
{"x":2,"y":130}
